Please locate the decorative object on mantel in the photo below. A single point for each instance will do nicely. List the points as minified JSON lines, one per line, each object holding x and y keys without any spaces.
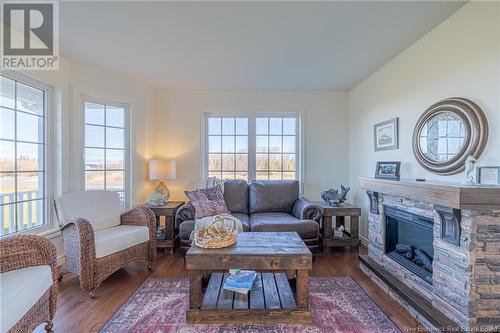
{"x":388,"y":170}
{"x":488,"y":175}
{"x":470,"y":163}
{"x":385,"y":135}
{"x":333,"y":197}
{"x":447,"y":133}
{"x":160,"y":170}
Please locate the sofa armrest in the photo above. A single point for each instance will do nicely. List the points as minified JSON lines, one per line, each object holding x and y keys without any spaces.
{"x":184,"y":213}
{"x":143,"y":216}
{"x":304,"y":209}
{"x":24,"y":251}
{"x":79,"y":250}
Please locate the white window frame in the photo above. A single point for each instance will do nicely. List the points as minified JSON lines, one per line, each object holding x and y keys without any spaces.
{"x":252,"y":137}
{"x":49,"y":223}
{"x":206,"y":134}
{"x":127,"y":142}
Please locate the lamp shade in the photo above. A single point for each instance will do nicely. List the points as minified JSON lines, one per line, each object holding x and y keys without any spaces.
{"x":161,"y":169}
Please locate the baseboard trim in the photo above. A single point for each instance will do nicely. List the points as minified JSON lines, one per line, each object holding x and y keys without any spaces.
{"x":364,"y":240}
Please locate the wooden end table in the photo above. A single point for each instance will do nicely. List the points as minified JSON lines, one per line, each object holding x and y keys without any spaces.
{"x":171,"y":234}
{"x":351,"y":236}
{"x":271,"y":299}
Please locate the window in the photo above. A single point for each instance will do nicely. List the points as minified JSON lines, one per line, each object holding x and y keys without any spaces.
{"x":276,"y":148}
{"x":23,"y":151}
{"x":228,"y":148}
{"x":254,"y":147}
{"x":106,"y":148}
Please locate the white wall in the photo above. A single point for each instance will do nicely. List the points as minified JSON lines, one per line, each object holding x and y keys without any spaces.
{"x":460,"y":57}
{"x":179,"y":117}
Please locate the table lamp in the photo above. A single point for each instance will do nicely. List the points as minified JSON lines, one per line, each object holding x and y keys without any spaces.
{"x":160,"y":170}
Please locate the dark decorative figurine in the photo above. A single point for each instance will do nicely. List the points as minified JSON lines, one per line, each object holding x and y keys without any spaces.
{"x":333,"y":197}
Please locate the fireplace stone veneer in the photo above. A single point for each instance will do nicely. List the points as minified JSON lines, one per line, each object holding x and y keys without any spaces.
{"x":466,"y":274}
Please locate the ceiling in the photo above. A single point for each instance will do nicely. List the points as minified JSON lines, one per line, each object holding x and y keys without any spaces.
{"x":245,"y":45}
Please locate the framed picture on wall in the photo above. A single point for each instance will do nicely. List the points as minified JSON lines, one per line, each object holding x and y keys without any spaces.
{"x":385,"y":135}
{"x":488,"y":175}
{"x":388,"y":170}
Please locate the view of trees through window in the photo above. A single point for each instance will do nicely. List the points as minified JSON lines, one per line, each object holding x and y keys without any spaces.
{"x":269,"y":153}
{"x":22,"y":156}
{"x":276,"y":142}
{"x":228,"y":148}
{"x":105,"y":150}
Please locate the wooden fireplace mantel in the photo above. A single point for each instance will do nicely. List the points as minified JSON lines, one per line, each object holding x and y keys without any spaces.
{"x":448,"y":194}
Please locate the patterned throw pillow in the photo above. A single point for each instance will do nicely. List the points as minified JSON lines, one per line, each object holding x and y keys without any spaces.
{"x":208,"y":202}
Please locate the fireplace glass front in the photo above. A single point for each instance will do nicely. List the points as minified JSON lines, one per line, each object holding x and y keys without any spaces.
{"x":409,"y":241}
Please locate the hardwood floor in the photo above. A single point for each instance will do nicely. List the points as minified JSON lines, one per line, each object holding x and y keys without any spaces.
{"x":76,"y":312}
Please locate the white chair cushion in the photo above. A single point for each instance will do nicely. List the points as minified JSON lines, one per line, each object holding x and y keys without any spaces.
{"x":115,"y":239}
{"x":20,"y":290}
{"x":101,"y":208}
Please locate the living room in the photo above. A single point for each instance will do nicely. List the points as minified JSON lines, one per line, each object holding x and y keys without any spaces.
{"x":161,"y":148}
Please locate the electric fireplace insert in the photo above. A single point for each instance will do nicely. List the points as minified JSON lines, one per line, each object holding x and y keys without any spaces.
{"x":409,"y":241}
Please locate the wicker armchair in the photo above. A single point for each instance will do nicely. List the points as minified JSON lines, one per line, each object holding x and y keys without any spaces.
{"x":27,"y":269}
{"x":98,"y":239}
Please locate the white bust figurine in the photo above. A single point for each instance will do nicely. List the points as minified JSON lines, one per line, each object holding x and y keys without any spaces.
{"x":470,"y":164}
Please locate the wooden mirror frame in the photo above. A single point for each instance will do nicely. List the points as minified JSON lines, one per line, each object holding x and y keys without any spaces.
{"x":476,"y":134}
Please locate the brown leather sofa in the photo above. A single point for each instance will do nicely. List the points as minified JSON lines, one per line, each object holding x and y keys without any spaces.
{"x":262,"y":205}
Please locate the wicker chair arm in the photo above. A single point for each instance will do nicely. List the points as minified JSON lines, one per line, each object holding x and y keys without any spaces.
{"x":79,"y":249}
{"x":184,"y":213}
{"x":143,"y":216}
{"x":304,"y":209}
{"x":24,"y":251}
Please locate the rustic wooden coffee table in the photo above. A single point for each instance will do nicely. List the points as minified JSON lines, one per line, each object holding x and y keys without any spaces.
{"x":271,"y":300}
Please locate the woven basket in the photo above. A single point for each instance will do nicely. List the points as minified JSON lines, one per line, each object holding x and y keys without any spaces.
{"x":221,"y":232}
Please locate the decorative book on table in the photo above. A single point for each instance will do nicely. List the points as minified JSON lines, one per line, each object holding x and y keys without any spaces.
{"x":240,"y":281}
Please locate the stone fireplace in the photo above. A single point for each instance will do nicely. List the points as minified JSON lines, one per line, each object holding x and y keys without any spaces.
{"x":430,"y":239}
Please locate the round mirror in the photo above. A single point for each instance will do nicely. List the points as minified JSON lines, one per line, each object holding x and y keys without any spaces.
{"x":447,"y":133}
{"x":442,"y":136}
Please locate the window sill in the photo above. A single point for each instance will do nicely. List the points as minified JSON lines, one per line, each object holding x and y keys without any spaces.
{"x":39,"y":231}
{"x":51,"y":233}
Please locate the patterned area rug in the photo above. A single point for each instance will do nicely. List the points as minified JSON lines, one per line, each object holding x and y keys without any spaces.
{"x":338,"y":305}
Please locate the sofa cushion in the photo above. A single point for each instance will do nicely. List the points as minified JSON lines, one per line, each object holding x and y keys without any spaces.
{"x":244,"y":220}
{"x":101,"y":208}
{"x":236,"y":195}
{"x":208,"y":202}
{"x":21,"y":289}
{"x":187,"y":226}
{"x":278,"y":222}
{"x":115,"y":239}
{"x":272,"y":195}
